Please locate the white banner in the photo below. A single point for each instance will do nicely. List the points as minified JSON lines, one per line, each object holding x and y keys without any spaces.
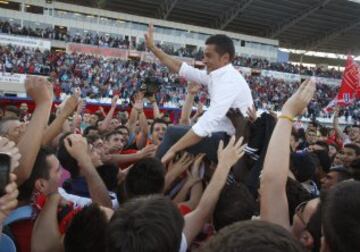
{"x":12,"y":82}
{"x":25,"y":41}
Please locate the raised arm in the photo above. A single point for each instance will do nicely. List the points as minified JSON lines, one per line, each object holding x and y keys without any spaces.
{"x":156,"y":110}
{"x":227,"y":157}
{"x":45,"y":234}
{"x":276,"y":164}
{"x":77,"y":147}
{"x":144,"y":127}
{"x":172,"y":63}
{"x":193,"y":88}
{"x":109,"y":115}
{"x":336,"y":126}
{"x":56,"y":127}
{"x":40,"y":90}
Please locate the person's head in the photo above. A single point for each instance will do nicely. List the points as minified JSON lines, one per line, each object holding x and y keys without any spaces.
{"x":146,"y":177}
{"x":319,"y":145}
{"x":219,"y":51}
{"x":339,"y":157}
{"x":252,"y":236}
{"x":12,"y":111}
{"x":333,"y":149}
{"x":12,"y":128}
{"x":312,"y":126}
{"x":66,"y":160}
{"x":114,"y":141}
{"x":355,"y":169}
{"x":151,"y":223}
{"x":351,"y":152}
{"x":157,"y":130}
{"x":86,"y":118}
{"x":340,"y":210}
{"x":86,"y":231}
{"x":294,"y":140}
{"x":90,"y":130}
{"x":300,"y":218}
{"x":354,"y":133}
{"x":114,"y":123}
{"x":124,"y":131}
{"x":336,"y":175}
{"x":296,"y":194}
{"x":123,"y":116}
{"x":24,"y":107}
{"x":311,"y":136}
{"x":44,"y":178}
{"x":94,"y":118}
{"x":302,"y":165}
{"x":235,"y":203}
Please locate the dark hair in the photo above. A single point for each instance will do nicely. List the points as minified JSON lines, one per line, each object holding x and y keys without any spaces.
{"x":314,"y":228}
{"x":108,"y":135}
{"x":92,"y":138}
{"x":41,"y":169}
{"x":355,"y":169}
{"x":235,"y":203}
{"x":223,"y":44}
{"x":88,"y":128}
{"x":323,"y":144}
{"x":253,"y":236}
{"x":296,"y":194}
{"x":146,"y":177}
{"x":151,"y":223}
{"x":341,"y":217}
{"x":157,"y":120}
{"x":355,"y":147}
{"x":295,"y":134}
{"x":122,"y":127}
{"x":66,"y":160}
{"x":86,"y":231}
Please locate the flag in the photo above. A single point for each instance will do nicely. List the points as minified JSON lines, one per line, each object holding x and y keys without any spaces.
{"x":350,"y":84}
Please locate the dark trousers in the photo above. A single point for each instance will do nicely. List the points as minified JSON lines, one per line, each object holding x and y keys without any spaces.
{"x":208,"y":145}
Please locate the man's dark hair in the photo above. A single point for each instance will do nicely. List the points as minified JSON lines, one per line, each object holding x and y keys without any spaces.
{"x":66,"y":160}
{"x":355,"y":169}
{"x":343,"y":173}
{"x":151,"y":223}
{"x":157,"y":120}
{"x":354,"y":147}
{"x":223,"y":44}
{"x":323,"y":144}
{"x":92,"y":138}
{"x":146,"y":177}
{"x":253,"y":236}
{"x":296,"y":194}
{"x":235,"y":203}
{"x":341,"y":217}
{"x":108,"y":135}
{"x":122,"y":127}
{"x":41,"y":169}
{"x":88,"y":128}
{"x":86,"y":231}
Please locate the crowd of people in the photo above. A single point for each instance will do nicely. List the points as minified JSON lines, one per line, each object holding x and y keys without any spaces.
{"x":106,"y":40}
{"x":117,"y":181}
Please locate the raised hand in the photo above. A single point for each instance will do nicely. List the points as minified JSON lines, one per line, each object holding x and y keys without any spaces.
{"x":148,"y":151}
{"x":39,"y":89}
{"x":183,"y":163}
{"x":229,"y":155}
{"x":70,"y":105}
{"x":149,"y":37}
{"x":296,"y":104}
{"x":8,"y":201}
{"x":114,"y":100}
{"x":193,"y":88}
{"x":77,"y":146}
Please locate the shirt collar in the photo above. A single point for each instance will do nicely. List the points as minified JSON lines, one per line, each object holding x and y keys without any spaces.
{"x":221,"y":70}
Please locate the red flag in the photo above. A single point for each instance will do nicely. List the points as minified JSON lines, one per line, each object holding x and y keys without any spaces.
{"x":350,"y":84}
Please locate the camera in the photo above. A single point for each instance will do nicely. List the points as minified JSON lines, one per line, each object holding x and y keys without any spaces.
{"x":150,"y":86}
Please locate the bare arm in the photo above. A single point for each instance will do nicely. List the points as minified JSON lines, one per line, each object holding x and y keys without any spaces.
{"x":109,"y":115}
{"x":144,"y":127}
{"x":337,"y":129}
{"x":177,"y":168}
{"x":77,"y":147}
{"x":45,"y":234}
{"x":29,"y":145}
{"x":132,"y":120}
{"x":276,"y":164}
{"x":156,"y":110}
{"x":189,"y":100}
{"x":172,"y":63}
{"x":181,"y":196}
{"x":195,"y":220}
{"x":148,"y":151}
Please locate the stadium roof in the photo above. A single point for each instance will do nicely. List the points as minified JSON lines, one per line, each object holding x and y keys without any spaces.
{"x":321,"y":25}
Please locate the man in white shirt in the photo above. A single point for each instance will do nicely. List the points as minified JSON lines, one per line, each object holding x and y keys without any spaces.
{"x":227,"y":89}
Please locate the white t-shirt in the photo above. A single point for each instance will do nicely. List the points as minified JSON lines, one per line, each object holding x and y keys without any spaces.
{"x":183,"y":245}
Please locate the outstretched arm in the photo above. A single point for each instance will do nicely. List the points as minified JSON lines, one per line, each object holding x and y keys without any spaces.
{"x":276,"y":165}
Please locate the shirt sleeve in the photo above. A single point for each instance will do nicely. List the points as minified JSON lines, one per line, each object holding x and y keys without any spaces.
{"x":219,"y":106}
{"x":192,"y":74}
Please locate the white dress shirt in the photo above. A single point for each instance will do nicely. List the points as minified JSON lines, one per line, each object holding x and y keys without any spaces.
{"x":227,"y":89}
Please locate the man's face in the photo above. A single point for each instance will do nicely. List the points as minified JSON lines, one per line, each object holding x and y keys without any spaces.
{"x":51,"y":185}
{"x":114,"y":123}
{"x":86,"y":118}
{"x":115,"y":143}
{"x":93,"y":119}
{"x":311,"y":137}
{"x":15,"y":130}
{"x":93,"y":132}
{"x":329,"y":180}
{"x":212,"y":60}
{"x":125,"y":134}
{"x":354,"y":134}
{"x":349,"y":156}
{"x":158,"y":133}
{"x":339,"y":159}
{"x":24,"y":107}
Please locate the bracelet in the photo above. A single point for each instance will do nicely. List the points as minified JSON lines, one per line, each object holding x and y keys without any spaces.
{"x":287,"y":117}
